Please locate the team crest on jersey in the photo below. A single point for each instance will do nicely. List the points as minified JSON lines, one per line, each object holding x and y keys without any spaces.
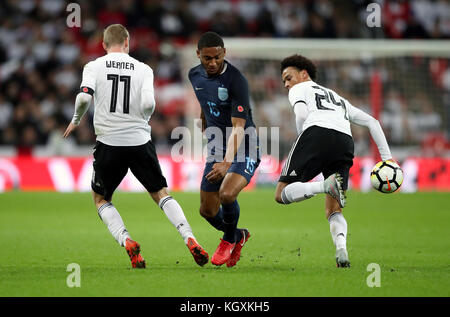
{"x":223,"y":93}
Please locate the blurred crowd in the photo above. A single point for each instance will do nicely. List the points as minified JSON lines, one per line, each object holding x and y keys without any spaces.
{"x":41,"y":60}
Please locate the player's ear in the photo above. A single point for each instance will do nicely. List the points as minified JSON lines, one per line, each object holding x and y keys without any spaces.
{"x":224,"y":51}
{"x":304,"y":74}
{"x":104,"y":45}
{"x":198,"y":53}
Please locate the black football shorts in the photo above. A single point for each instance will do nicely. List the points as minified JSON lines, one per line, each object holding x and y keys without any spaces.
{"x":111,"y":164}
{"x":319,"y":150}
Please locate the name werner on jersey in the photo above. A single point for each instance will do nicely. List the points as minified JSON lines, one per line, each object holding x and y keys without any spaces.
{"x":119,"y":65}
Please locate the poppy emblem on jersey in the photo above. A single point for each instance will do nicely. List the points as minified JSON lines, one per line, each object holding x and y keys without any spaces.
{"x":240,"y":108}
{"x":223,"y":93}
{"x":85,"y":89}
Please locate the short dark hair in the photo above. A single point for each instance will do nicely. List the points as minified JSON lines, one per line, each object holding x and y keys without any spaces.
{"x":210,"y":39}
{"x":301,"y":63}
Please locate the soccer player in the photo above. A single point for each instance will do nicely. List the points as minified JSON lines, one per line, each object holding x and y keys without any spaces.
{"x":122,"y":88}
{"x":222,"y":92}
{"x":324,"y":145}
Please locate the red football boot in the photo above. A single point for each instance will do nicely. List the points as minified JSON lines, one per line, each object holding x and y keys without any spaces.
{"x":133,"y":249}
{"x":200,"y":255}
{"x":223,"y":252}
{"x":236,"y":254}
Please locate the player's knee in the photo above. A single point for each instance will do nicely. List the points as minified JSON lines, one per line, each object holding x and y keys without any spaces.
{"x":226,"y":197}
{"x":99,"y":200}
{"x":206,"y":213}
{"x":278,"y":198}
{"x":330,"y":211}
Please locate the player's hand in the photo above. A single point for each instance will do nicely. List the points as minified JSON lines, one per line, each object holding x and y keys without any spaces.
{"x":69,"y":130}
{"x":218,"y":172}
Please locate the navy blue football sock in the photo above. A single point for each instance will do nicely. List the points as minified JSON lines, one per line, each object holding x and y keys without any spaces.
{"x":231,"y":214}
{"x":238,"y":235}
{"x":217,"y":220}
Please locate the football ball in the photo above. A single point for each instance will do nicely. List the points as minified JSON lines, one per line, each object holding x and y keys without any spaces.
{"x":386,"y":176}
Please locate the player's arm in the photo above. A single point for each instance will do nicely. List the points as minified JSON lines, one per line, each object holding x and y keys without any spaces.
{"x":297,"y":98}
{"x":300,"y":116}
{"x":148,"y":95}
{"x":82,"y":102}
{"x":83,"y":99}
{"x":361,"y":118}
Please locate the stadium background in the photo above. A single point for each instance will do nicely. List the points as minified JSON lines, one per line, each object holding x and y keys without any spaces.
{"x":41,"y":61}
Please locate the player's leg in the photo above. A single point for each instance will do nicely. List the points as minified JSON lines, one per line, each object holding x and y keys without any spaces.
{"x":176,"y":216}
{"x":211,"y":210}
{"x":173,"y":212}
{"x":338,"y":230}
{"x":145,"y":166}
{"x":238,"y":176}
{"x":307,"y":158}
{"x":111,"y":218}
{"x":333,"y":211}
{"x":298,"y":191}
{"x":109,"y":170}
{"x":229,"y":190}
{"x":232,"y":185}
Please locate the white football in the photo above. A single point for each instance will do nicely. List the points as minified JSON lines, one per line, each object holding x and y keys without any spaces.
{"x":386,"y":176}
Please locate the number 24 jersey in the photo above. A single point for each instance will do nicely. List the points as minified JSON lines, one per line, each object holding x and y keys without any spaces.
{"x":323,"y":107}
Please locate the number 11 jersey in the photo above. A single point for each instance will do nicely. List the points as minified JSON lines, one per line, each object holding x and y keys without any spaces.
{"x":117,"y":80}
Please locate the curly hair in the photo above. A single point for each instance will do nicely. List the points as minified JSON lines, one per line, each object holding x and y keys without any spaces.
{"x":301,"y":63}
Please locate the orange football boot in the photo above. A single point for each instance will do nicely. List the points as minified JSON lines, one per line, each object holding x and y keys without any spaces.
{"x":133,"y":249}
{"x":200,"y":255}
{"x":236,"y":254}
{"x":223,"y":252}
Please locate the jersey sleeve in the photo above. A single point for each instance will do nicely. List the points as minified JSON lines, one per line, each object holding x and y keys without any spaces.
{"x":361,"y":118}
{"x":300,"y":116}
{"x":240,"y":101}
{"x":88,"y":79}
{"x":148,"y":94}
{"x":147,"y":83}
{"x":297,"y":94}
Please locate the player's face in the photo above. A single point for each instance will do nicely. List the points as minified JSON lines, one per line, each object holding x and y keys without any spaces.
{"x":212,"y":59}
{"x":292,"y":76}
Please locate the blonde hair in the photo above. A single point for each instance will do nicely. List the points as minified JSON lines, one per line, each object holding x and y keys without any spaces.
{"x":115,"y":34}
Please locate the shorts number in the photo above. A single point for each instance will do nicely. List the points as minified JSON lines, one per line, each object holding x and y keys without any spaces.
{"x":250,"y":165}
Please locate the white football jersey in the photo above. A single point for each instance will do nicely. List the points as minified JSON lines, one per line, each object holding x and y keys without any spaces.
{"x":324,"y":107}
{"x":117,"y":80}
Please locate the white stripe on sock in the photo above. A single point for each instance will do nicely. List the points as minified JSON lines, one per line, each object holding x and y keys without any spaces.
{"x":176,"y":216}
{"x":111,"y":218}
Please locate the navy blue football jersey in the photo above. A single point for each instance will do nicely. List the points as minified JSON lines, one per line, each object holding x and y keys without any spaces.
{"x":222,"y":97}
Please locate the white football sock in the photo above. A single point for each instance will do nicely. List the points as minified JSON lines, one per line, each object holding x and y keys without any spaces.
{"x":338,"y":230}
{"x":296,"y":192}
{"x":176,"y":216}
{"x":111,"y":217}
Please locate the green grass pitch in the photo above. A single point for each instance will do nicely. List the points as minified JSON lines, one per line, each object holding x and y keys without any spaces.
{"x":289,"y":254}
